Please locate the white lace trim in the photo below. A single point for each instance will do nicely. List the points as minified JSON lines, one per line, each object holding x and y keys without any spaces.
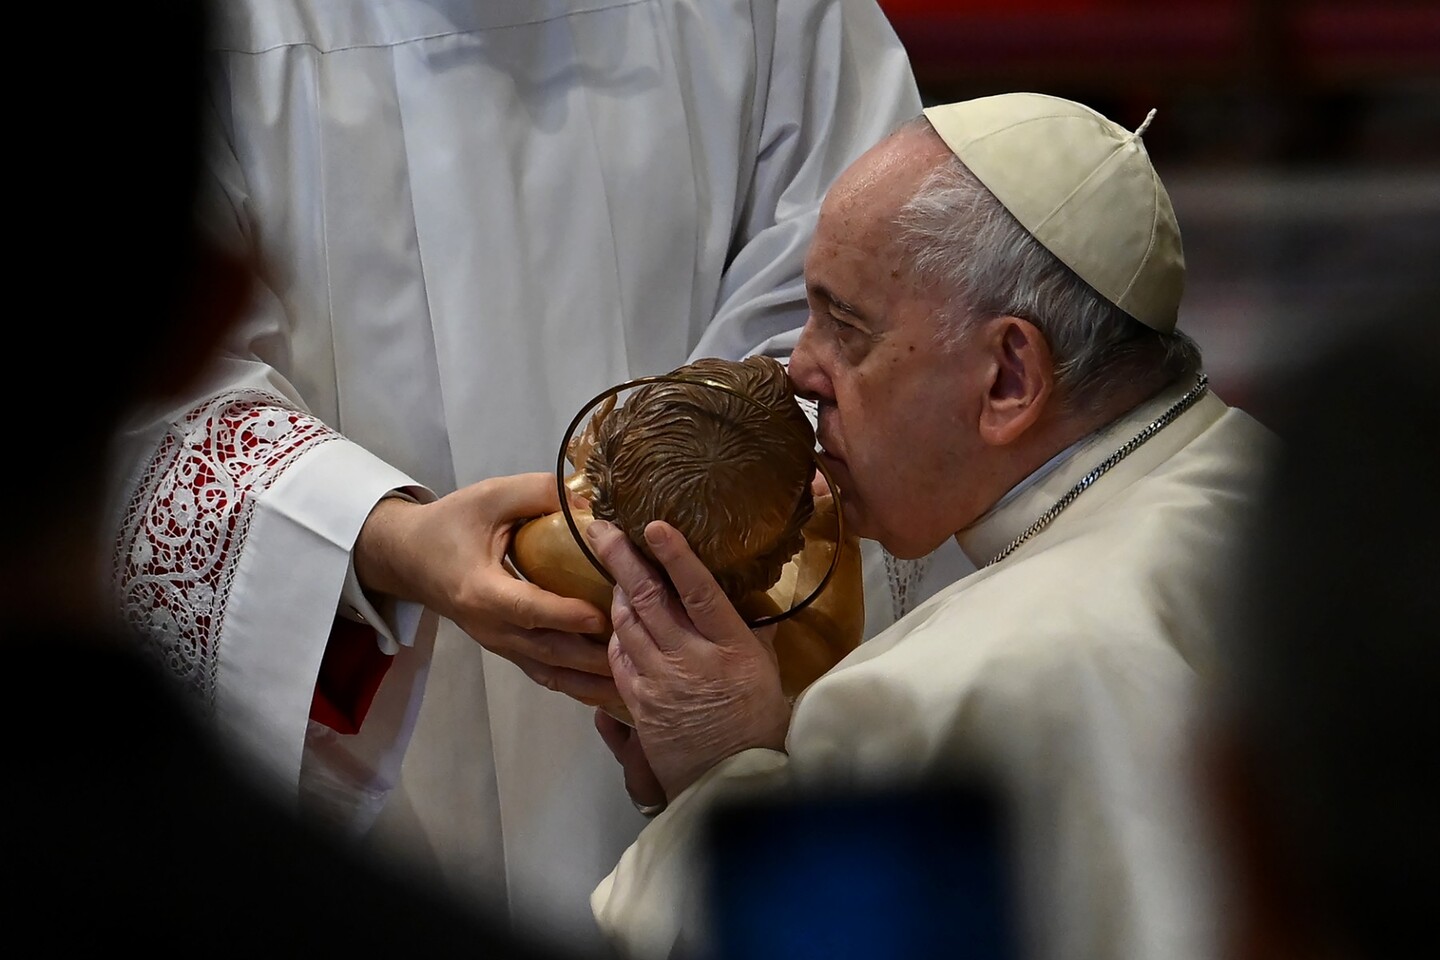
{"x":906,"y":580}
{"x":184,"y":526}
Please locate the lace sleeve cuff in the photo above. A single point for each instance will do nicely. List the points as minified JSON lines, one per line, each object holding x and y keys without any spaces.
{"x":233,"y":555}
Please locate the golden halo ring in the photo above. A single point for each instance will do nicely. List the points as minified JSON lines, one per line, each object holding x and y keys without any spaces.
{"x":604,"y":395}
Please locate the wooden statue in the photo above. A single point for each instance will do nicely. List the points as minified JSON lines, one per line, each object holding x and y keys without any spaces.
{"x":733,"y":475}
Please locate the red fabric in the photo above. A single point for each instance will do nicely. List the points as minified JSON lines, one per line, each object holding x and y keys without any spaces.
{"x":350,"y":673}
{"x":178,"y":544}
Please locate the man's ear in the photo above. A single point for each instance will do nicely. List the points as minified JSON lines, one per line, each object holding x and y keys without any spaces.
{"x":218,"y":293}
{"x":1022,"y":380}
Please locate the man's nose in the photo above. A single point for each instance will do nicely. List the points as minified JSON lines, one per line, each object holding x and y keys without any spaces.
{"x":806,"y":375}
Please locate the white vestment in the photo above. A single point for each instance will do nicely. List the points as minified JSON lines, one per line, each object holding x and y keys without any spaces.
{"x":1064,"y":675}
{"x":474,"y":216}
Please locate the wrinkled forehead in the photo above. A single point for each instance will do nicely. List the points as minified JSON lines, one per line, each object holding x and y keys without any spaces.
{"x":890,"y":171}
{"x":868,"y":195}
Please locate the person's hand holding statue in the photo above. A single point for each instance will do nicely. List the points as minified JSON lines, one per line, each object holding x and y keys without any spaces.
{"x":722,"y":452}
{"x":699,"y":684}
{"x":734,"y":471}
{"x":701,"y":490}
{"x":450,"y":556}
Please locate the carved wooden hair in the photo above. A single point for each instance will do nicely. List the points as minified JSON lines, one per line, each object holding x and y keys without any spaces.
{"x":734,"y":479}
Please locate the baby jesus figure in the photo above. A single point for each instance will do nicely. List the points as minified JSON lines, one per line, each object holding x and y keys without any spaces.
{"x":734,"y":476}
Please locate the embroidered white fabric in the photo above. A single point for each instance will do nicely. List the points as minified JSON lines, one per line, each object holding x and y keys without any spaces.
{"x":906,"y":581}
{"x":186,"y":520}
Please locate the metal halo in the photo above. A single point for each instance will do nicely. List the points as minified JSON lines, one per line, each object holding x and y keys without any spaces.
{"x":703,"y":382}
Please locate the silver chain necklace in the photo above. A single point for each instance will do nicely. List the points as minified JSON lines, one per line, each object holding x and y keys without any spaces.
{"x":1129,"y":447}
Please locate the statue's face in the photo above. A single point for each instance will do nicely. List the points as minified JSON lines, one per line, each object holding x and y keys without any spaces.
{"x":733,"y":476}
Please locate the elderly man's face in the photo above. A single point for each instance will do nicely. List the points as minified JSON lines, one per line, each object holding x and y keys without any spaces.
{"x":896,"y":409}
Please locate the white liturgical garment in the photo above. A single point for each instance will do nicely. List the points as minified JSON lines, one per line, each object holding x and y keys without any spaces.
{"x":1065,"y":676}
{"x":473,"y":217}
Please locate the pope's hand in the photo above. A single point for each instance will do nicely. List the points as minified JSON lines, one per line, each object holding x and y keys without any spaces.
{"x":698,"y":683}
{"x":450,"y":556}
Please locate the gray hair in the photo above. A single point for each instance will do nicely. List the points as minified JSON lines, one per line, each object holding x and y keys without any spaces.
{"x":961,"y":237}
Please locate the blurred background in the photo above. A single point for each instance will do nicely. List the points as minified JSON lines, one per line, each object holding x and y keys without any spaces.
{"x":1300,"y":142}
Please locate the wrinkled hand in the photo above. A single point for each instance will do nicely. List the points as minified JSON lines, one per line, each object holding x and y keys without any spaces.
{"x":449,"y":555}
{"x":699,"y":684}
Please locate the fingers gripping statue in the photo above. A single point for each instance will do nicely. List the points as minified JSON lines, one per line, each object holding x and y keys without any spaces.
{"x":721,"y":451}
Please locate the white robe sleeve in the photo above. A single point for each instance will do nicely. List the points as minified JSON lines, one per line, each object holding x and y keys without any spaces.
{"x":834,"y":81}
{"x":236,"y":519}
